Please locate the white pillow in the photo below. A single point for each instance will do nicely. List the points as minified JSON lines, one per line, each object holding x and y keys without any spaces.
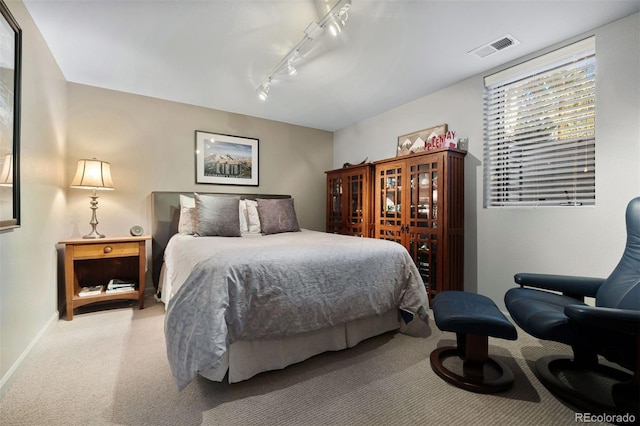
{"x":244,"y":225}
{"x":187,"y":221}
{"x":186,"y":201}
{"x":252,"y":217}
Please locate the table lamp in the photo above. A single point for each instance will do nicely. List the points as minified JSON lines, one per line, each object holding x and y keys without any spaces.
{"x":93,"y":174}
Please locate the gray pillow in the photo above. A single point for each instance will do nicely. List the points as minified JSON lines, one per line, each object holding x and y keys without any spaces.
{"x":277,"y":215}
{"x":217,"y":215}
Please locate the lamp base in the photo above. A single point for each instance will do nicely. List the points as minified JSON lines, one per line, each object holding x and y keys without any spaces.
{"x":92,"y":235}
{"x":94,"y":219}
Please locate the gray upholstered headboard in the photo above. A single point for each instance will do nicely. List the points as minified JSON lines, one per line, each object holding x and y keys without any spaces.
{"x":165,"y":210}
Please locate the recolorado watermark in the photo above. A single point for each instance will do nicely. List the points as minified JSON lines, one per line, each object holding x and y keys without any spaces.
{"x":604,"y":418}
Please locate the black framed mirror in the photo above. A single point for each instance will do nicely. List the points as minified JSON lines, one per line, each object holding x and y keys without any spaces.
{"x":10,"y":73}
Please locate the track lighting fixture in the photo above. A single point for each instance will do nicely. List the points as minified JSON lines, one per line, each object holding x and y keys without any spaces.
{"x":335,"y":27}
{"x":338,"y":21}
{"x":263,"y":90}
{"x":313,"y":31}
{"x":335,"y":21}
{"x":291,"y":70}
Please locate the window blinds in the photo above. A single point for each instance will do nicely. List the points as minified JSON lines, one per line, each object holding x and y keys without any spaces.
{"x":539,"y":120}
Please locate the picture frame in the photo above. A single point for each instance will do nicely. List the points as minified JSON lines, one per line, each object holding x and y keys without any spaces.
{"x":226,"y":159}
{"x":10,"y":97}
{"x":417,"y":141}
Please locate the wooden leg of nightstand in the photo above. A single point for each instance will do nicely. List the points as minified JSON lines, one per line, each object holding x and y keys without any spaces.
{"x":69,"y":280}
{"x":142,"y":262}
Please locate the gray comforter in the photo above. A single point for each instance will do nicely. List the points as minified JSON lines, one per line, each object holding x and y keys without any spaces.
{"x":281,"y":285}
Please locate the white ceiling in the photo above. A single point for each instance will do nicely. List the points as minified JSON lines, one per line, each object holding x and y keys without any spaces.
{"x":216,"y":53}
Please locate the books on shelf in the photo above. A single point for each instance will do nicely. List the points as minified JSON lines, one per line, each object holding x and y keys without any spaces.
{"x":119,"y":290}
{"x":116,"y":286}
{"x":93,"y":290}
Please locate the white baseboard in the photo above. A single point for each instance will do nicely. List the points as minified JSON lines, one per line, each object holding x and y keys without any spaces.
{"x":7,"y":378}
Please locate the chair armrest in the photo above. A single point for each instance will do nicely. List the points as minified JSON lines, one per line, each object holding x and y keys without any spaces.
{"x":568,"y":285}
{"x":619,"y":320}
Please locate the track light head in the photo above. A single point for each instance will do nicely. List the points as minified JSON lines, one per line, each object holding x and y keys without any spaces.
{"x":291,"y":70}
{"x":263,"y":90}
{"x":338,"y":20}
{"x":335,"y":27}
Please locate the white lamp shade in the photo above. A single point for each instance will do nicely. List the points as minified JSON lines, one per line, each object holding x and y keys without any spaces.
{"x":93,"y":174}
{"x":6,"y":175}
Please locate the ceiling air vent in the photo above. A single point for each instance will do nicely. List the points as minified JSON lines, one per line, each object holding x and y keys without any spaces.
{"x":495,"y":46}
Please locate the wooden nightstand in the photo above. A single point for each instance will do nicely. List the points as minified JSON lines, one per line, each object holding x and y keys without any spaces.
{"x":91,"y":262}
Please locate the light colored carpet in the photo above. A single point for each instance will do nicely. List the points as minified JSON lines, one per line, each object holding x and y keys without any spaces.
{"x":109,"y":367}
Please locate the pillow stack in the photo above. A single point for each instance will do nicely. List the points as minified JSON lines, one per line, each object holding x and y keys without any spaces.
{"x":229,"y":216}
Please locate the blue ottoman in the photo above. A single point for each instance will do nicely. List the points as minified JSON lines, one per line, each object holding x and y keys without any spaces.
{"x":473,"y":317}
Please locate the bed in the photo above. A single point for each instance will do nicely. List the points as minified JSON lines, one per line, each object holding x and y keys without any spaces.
{"x":272,"y":296}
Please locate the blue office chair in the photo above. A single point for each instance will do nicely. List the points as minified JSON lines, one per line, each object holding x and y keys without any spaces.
{"x":610,"y":329}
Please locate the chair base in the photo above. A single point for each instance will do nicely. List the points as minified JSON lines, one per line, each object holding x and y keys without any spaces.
{"x":576,"y":385}
{"x":474,"y":379}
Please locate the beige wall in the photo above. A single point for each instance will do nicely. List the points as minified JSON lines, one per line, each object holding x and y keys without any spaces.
{"x":500,"y":242}
{"x":28,"y":260}
{"x":150,"y":144}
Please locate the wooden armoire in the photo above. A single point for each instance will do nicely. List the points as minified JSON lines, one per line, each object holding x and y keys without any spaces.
{"x":416,"y":200}
{"x":350,"y":200}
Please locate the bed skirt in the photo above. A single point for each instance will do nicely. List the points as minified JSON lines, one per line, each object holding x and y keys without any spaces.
{"x":245,"y":359}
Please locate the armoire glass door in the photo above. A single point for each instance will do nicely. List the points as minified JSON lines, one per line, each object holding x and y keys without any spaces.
{"x":356,"y":197}
{"x":335,"y":221}
{"x":423,"y":220}
{"x":390,"y":190}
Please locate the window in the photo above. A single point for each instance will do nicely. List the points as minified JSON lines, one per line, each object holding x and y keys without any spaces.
{"x":539,"y":121}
